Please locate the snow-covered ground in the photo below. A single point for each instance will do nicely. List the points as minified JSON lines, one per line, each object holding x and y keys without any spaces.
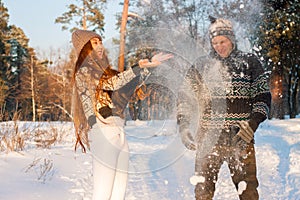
{"x":160,"y":167}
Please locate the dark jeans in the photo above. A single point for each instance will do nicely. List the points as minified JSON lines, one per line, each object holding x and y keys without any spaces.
{"x":241,"y":162}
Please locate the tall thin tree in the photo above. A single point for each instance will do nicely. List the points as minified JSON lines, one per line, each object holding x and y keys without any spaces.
{"x":121,"y":60}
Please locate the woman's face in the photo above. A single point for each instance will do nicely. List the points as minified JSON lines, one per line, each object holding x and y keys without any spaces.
{"x":97,"y":46}
{"x":222,"y":45}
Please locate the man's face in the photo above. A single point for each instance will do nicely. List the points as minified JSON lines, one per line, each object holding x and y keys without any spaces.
{"x":222,"y":45}
{"x":97,"y":46}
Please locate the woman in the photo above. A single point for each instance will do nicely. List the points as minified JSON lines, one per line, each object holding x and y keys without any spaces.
{"x":101,"y":95}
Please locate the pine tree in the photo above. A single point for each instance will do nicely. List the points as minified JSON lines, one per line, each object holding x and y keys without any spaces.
{"x":14,"y":54}
{"x":279,"y":42}
{"x":85,"y":14}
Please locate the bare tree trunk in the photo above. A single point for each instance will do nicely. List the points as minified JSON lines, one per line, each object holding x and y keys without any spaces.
{"x":277,"y":108}
{"x":294,"y":99}
{"x":32,"y":89}
{"x":121,"y":61}
{"x":84,"y":27}
{"x":292,"y":96}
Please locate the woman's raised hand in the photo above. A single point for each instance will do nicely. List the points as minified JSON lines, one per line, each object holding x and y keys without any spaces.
{"x":156,"y":60}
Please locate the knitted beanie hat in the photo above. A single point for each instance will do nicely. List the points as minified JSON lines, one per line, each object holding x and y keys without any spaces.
{"x":81,"y":37}
{"x":221,"y":27}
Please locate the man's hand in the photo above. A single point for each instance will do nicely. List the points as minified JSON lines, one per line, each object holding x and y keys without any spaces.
{"x":155,"y":60}
{"x":245,"y":133}
{"x":188,"y":140}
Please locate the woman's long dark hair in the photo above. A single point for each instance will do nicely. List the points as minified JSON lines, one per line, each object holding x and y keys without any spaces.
{"x":79,"y":119}
{"x":84,"y":53}
{"x":80,"y":122}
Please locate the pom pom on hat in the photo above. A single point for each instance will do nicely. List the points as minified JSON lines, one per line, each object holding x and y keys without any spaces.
{"x":221,"y":27}
{"x":81,"y":37}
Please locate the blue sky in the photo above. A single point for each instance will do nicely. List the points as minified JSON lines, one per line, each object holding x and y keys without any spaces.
{"x":36,"y":18}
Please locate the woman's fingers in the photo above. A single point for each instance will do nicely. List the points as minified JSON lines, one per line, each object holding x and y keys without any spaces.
{"x":155,"y":61}
{"x":161,"y":57}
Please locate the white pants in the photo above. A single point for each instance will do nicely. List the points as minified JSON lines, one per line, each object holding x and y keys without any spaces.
{"x":109,"y":148}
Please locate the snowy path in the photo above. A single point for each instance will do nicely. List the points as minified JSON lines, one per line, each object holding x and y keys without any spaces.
{"x":160,"y":167}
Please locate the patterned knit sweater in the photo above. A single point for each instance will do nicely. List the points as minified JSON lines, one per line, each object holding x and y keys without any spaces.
{"x":224,"y":91}
{"x":104,"y":92}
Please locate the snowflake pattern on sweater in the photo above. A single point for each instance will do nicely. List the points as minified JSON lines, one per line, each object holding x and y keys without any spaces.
{"x":234,"y":89}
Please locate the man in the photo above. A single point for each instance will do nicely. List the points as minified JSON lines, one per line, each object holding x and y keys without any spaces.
{"x":232,"y":95}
